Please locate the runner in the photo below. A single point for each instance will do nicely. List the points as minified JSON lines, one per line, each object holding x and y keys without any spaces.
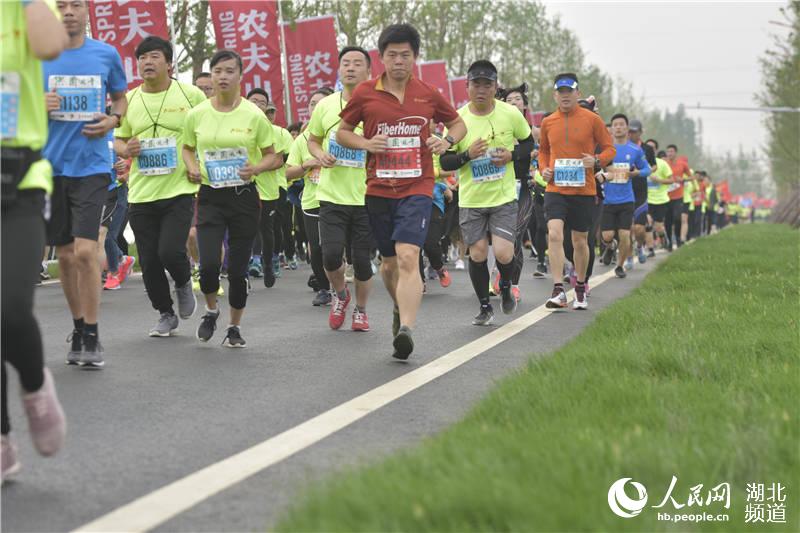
{"x":119,"y":266}
{"x":497,"y":133}
{"x":641,"y":226}
{"x":674,"y":222}
{"x":567,"y":162}
{"x":522,"y":172}
{"x":271,"y":187}
{"x":343,"y":217}
{"x":227,"y":143}
{"x":396,"y":110}
{"x":658,"y":195}
{"x":301,"y":164}
{"x":618,"y":205}
{"x":31,"y":32}
{"x":160,"y":196}
{"x":77,"y":85}
{"x":202,"y":82}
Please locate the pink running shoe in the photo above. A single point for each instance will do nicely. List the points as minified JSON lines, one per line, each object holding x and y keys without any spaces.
{"x":45,"y":417}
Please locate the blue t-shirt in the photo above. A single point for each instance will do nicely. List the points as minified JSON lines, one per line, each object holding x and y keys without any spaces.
{"x":633,"y":156}
{"x":438,"y":195}
{"x":84,"y":77}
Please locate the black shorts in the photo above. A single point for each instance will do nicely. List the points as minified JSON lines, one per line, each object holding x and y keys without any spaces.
{"x":108,"y":209}
{"x":77,"y":208}
{"x":685,"y":208}
{"x":340,"y":225}
{"x":399,"y":220}
{"x":658,"y":212}
{"x":576,"y":211}
{"x":640,"y":213}
{"x":617,"y":217}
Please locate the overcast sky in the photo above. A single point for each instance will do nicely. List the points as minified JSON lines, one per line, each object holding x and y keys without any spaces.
{"x":684,"y":52}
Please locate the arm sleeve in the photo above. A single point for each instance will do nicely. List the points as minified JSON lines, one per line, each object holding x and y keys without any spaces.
{"x":450,"y":161}
{"x":522,"y":151}
{"x":643,"y":166}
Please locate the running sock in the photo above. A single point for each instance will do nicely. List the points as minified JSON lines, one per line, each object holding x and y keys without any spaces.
{"x":90,"y":329}
{"x":78,"y":323}
{"x":212,"y":311}
{"x":479,"y":275}
{"x":580,"y":286}
{"x":342,"y":295}
{"x":506,"y":271}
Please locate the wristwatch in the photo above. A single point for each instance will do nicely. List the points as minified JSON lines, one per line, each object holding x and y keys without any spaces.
{"x":449,"y":139}
{"x":119,"y":118}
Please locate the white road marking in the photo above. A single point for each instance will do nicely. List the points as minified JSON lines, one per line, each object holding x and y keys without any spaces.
{"x":155,"y":508}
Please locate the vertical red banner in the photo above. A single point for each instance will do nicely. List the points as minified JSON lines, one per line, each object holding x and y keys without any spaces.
{"x":435,"y":73}
{"x":251,"y":29}
{"x":312,"y":59}
{"x":458,"y":88}
{"x":123,"y":25}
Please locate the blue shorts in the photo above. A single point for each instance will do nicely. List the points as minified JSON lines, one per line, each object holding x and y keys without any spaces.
{"x":399,"y":220}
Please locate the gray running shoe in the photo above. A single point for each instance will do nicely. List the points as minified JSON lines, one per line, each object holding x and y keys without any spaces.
{"x":92,"y":356}
{"x":485,"y":317}
{"x":187,"y":302}
{"x":75,"y":347}
{"x":166,"y":326}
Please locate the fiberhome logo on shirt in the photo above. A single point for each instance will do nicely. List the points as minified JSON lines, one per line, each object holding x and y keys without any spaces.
{"x":401,"y":127}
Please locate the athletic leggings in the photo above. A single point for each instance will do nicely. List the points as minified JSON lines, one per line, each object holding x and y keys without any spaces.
{"x":311,"y":222}
{"x":524,"y":213}
{"x":23,"y":236}
{"x":235,"y":210}
{"x":282,"y":227}
{"x":433,"y":246}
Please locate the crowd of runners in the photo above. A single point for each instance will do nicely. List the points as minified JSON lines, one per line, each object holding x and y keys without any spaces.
{"x":386,"y":177}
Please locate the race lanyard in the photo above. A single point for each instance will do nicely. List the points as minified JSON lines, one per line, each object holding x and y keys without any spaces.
{"x":81,"y":97}
{"x":569,"y":173}
{"x":402,"y":158}
{"x":9,"y":113}
{"x":158,"y":157}
{"x":222,"y":166}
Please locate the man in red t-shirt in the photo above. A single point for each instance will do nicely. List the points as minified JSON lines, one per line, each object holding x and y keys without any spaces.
{"x":396,"y":110}
{"x":677,"y":216}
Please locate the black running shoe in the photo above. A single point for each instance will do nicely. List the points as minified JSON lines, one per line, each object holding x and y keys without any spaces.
{"x":208,"y":324}
{"x":233,"y":338}
{"x":403,"y":344}
{"x":620,"y":272}
{"x":76,"y":347}
{"x":485,"y":317}
{"x":509,"y":304}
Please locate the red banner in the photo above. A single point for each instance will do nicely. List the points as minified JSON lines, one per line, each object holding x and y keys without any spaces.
{"x":123,"y":25}
{"x":251,"y":29}
{"x":458,"y":88}
{"x":435,"y":73}
{"x":312,"y":60}
{"x":375,"y":63}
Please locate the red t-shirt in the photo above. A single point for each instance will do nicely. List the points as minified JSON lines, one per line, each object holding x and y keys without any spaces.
{"x":406,"y":168}
{"x":679,"y":169}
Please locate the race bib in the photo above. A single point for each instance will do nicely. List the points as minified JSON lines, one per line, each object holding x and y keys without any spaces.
{"x":402,"y":158}
{"x":222,"y":166}
{"x":346,"y":157}
{"x":569,"y":173}
{"x":81,"y":97}
{"x":159,"y":156}
{"x":619,"y":173}
{"x":673,"y":187}
{"x":9,"y":117}
{"x":484,"y":170}
{"x":313,"y":176}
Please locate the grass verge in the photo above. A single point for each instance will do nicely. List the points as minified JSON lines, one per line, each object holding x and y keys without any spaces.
{"x":694,"y":374}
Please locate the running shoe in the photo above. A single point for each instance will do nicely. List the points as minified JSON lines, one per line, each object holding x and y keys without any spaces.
{"x":46,"y":420}
{"x":92,"y":356}
{"x":484,"y":317}
{"x":541,"y":271}
{"x":269,"y":277}
{"x":233,"y":338}
{"x":360,"y":321}
{"x":642,"y":257}
{"x":208,"y":324}
{"x":620,"y":272}
{"x":651,"y":253}
{"x":558,"y":300}
{"x":322,"y":297}
{"x":126,"y":267}
{"x":167,"y":325}
{"x":292,"y":264}
{"x":444,"y":278}
{"x":517,"y":294}
{"x":608,"y":254}
{"x":112,"y":282}
{"x":11,"y":464}
{"x":75,"y":348}
{"x":580,"y":302}
{"x":460,"y":264}
{"x":338,"y":310}
{"x":276,"y":267}
{"x":629,"y":263}
{"x":255,"y":269}
{"x":44,"y":273}
{"x":403,"y":343}
{"x":509,"y":302}
{"x":187,"y":302}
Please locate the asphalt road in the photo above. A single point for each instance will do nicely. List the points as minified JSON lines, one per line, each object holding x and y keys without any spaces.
{"x":165,"y":408}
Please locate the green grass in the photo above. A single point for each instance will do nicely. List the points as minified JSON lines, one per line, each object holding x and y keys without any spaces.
{"x":694,"y":374}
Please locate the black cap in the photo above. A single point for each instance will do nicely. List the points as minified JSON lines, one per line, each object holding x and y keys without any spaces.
{"x":635,"y":125}
{"x":482,"y":69}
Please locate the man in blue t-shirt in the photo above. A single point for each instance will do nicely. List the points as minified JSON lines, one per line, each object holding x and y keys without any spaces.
{"x":77,"y":84}
{"x":618,"y":204}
